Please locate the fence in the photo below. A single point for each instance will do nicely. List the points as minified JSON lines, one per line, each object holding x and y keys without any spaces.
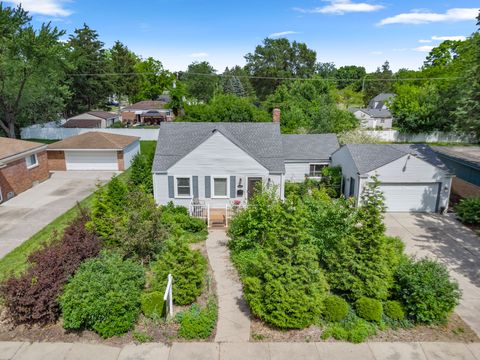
{"x":437,"y":136}
{"x":58,"y":133}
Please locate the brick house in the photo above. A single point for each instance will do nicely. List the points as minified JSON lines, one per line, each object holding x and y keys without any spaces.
{"x":151,"y":112}
{"x":23,"y":164}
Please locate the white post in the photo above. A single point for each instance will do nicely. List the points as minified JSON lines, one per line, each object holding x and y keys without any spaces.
{"x":168,"y":296}
{"x":208,"y":215}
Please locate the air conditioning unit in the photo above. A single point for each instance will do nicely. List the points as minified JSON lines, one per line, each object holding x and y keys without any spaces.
{"x":10,"y":195}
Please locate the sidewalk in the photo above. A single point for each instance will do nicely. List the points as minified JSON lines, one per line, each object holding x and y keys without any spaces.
{"x":241,"y":351}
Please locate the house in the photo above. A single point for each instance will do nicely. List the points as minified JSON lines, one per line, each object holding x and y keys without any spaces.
{"x":376,"y":114}
{"x":412,"y":176}
{"x":305,"y":155}
{"x":464,"y":162}
{"x":22,"y":165}
{"x":92,"y":119}
{"x":93,"y":151}
{"x":151,"y":112}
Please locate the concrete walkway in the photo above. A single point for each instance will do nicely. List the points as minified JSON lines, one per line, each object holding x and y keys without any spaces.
{"x":241,"y":351}
{"x":443,"y":238}
{"x":27,"y":213}
{"x":233,"y":314}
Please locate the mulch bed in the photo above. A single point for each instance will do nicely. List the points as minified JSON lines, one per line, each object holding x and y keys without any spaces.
{"x":158,"y":331}
{"x":455,"y":331}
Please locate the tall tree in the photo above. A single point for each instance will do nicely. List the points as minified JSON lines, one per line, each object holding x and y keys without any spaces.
{"x":89,"y":85}
{"x":32,"y":68}
{"x":326,"y":69}
{"x":236,"y":81}
{"x":350,"y":75}
{"x":278,"y":58}
{"x":378,"y":82}
{"x":153,"y":80}
{"x":123,"y":62}
{"x":201,"y":80}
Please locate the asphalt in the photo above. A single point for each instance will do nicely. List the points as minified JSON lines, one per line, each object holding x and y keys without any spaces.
{"x":28,"y":212}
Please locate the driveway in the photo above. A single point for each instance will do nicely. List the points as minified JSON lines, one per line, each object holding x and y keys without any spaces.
{"x":442,"y":237}
{"x":27,"y":213}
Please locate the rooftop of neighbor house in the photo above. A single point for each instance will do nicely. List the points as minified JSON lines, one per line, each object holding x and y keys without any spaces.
{"x":98,"y":114}
{"x":376,"y":113}
{"x":368,"y":157}
{"x":94,"y":140}
{"x":469,"y":154}
{"x":146,"y":105}
{"x":10,"y":147}
{"x":83,"y":123}
{"x":309,"y":146}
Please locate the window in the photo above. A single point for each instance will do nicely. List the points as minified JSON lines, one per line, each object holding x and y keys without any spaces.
{"x":352,"y":186}
{"x":316,"y":170}
{"x":31,"y":161}
{"x":220,"y":186}
{"x":183,"y":187}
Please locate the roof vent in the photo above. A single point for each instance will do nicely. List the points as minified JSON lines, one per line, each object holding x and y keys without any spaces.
{"x":214,"y":130}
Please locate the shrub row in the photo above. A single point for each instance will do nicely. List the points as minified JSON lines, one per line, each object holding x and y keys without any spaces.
{"x":468,"y":211}
{"x":197,"y":322}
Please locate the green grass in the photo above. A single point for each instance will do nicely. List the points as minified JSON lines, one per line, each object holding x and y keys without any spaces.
{"x":43,"y":141}
{"x":16,"y":261}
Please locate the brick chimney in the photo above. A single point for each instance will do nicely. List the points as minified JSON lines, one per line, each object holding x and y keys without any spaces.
{"x":276,"y":115}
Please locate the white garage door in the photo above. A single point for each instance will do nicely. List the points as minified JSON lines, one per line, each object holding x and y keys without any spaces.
{"x":91,"y":160}
{"x":410,"y":197}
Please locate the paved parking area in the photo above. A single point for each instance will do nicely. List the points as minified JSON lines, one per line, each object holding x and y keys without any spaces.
{"x":444,"y":238}
{"x":27,"y":213}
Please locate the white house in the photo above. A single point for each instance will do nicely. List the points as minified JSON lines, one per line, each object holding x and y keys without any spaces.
{"x":412,"y":177}
{"x":376,"y":114}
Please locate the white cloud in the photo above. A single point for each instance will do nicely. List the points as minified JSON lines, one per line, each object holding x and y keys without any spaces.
{"x":340,"y":7}
{"x":424,"y":41}
{"x":443,"y":38}
{"x":425,"y":17}
{"x":283,"y":33}
{"x":376,"y":52}
{"x":425,"y":48}
{"x":198,"y":55}
{"x":43,"y":7}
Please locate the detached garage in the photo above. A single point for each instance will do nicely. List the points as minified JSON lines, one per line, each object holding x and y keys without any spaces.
{"x":93,"y":151}
{"x":412,"y":177}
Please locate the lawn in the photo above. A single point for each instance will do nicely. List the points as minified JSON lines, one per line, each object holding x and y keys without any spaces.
{"x":16,"y":260}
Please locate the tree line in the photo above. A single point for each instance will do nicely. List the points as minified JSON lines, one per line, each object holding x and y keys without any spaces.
{"x":44,"y":78}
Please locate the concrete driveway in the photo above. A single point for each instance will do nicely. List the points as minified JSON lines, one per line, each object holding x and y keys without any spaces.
{"x":27,"y":213}
{"x":442,"y":237}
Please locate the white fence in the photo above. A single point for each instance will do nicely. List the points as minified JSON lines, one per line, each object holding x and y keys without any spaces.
{"x":437,"y":136}
{"x":51,"y":133}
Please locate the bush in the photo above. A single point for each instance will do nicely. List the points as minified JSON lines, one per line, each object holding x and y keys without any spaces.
{"x":178,"y":217}
{"x":425,"y":289}
{"x":353,"y":329}
{"x":187,"y":267}
{"x":141,"y":171}
{"x":153,"y":305}
{"x":468,"y":211}
{"x":198,"y":323}
{"x":394,"y":310}
{"x":336,"y":308}
{"x":32,"y":297}
{"x":104,"y":295}
{"x":369,"y":309}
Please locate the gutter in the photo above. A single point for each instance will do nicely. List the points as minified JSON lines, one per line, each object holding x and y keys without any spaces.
{"x":21,"y":155}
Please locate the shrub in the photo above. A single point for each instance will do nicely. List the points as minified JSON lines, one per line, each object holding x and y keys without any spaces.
{"x":187,"y":267}
{"x":104,"y":295}
{"x":197,"y":323}
{"x":353,"y":329}
{"x":336,"y":308}
{"x":141,"y":171}
{"x":32,"y":297}
{"x":394,"y":310}
{"x":178,"y":217}
{"x":369,"y":309}
{"x":426,"y":290}
{"x":468,"y":211}
{"x":142,"y":337}
{"x":153,"y":305}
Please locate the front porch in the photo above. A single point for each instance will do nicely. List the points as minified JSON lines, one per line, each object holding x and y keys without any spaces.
{"x":215,"y":217}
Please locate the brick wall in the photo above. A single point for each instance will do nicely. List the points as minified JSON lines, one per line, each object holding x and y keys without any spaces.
{"x":128,"y":116}
{"x":17,"y":178}
{"x":121,"y":162}
{"x":56,"y":161}
{"x":465,"y":189}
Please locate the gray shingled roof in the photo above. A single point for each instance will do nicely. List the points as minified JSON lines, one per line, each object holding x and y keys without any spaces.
{"x":309,"y":146}
{"x":377,"y":113}
{"x":261,"y":140}
{"x":368,"y":157}
{"x":469,"y":154}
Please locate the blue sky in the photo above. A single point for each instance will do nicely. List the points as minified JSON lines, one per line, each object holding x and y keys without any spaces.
{"x":177,"y":32}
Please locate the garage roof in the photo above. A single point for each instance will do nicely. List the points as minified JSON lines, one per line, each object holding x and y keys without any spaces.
{"x":94,"y":140}
{"x":10,"y":147}
{"x":469,"y":154}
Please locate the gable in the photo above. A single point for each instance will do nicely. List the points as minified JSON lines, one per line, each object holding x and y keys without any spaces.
{"x":217,"y":155}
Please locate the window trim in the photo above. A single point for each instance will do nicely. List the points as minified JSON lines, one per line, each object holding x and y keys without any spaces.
{"x":316,"y":176}
{"x":33,"y":165}
{"x":190,"y":184}
{"x":212,"y":186}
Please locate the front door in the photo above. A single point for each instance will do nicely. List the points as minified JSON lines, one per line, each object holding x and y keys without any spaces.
{"x":252,"y":186}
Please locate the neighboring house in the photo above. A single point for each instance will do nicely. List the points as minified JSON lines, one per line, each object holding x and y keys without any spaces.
{"x":412,"y":177}
{"x":151,"y":112}
{"x":93,"y":151}
{"x":306,"y":155}
{"x":92,"y":119}
{"x":376,"y":114}
{"x":22,"y":165}
{"x":464,"y":162}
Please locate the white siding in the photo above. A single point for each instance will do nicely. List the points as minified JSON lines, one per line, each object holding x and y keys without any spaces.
{"x":217,"y":156}
{"x":91,"y":160}
{"x":296,"y":171}
{"x":343,"y":159}
{"x":129,"y":153}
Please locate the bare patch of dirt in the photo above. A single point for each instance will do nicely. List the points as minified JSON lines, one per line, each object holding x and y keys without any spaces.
{"x":456,"y":330}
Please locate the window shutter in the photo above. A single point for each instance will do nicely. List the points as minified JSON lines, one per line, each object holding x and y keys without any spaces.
{"x":233,"y":185}
{"x":171,"y":190}
{"x":195,"y":186}
{"x":207,"y":187}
